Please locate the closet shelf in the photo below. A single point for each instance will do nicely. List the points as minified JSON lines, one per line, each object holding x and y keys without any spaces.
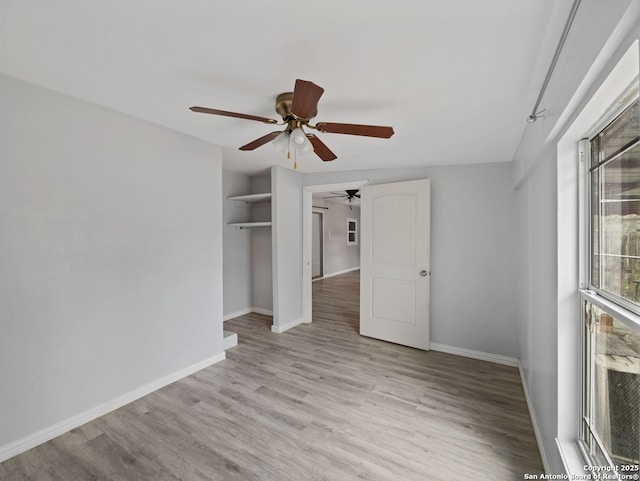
{"x":250,"y":225}
{"x":252,"y":197}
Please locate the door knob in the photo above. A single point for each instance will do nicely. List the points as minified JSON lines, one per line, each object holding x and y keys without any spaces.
{"x":424,"y":273}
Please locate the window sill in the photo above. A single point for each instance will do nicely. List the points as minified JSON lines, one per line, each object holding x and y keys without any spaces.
{"x":572,"y":458}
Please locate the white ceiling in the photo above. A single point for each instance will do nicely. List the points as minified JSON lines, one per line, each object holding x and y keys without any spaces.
{"x":455,"y":78}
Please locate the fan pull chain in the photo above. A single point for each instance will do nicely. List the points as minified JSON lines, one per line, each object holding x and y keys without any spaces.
{"x":295,"y":160}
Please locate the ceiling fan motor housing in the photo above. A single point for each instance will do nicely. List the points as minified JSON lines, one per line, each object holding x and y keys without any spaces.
{"x":283,"y":107}
{"x":351,"y":193}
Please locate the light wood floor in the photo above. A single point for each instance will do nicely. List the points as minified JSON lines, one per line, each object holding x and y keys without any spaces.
{"x":317,"y":402}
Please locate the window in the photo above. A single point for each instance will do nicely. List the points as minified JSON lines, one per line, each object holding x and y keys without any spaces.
{"x":610,"y":431}
{"x":352,"y":232}
{"x":615,"y":207}
{"x":612,"y":399}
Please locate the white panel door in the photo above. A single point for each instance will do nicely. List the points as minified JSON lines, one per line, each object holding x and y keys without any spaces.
{"x":395,"y":263}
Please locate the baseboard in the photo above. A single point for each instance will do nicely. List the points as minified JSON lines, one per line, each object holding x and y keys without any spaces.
{"x":279,"y":329}
{"x":534,"y":421}
{"x":481,"y":356}
{"x":32,"y":440}
{"x":248,"y":310}
{"x":229,"y":340}
{"x":239,"y":313}
{"x":333,"y":274}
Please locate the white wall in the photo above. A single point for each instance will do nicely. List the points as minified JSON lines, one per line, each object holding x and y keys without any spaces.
{"x":262,"y":250}
{"x":548,"y":307}
{"x":338,"y":256}
{"x":287,"y":248}
{"x":236,"y":245}
{"x":537,"y":289}
{"x":110,"y":255}
{"x":261,"y":271}
{"x":473,"y":245}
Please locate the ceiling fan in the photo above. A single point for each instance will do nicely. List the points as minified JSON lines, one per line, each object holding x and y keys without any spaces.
{"x":349,"y":195}
{"x":297,"y":108}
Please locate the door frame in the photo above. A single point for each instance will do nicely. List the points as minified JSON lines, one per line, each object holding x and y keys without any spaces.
{"x":320,"y":213}
{"x":307,"y":210}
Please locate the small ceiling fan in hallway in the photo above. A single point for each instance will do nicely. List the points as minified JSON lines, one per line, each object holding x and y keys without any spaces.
{"x":349,"y":195}
{"x":297,"y":108}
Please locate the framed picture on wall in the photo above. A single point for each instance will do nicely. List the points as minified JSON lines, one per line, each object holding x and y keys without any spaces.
{"x":352,"y":232}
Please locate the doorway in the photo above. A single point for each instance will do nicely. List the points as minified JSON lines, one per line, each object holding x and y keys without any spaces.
{"x":307,"y":227}
{"x":396,"y":298}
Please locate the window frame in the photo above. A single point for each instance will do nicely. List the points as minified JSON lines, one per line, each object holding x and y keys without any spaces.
{"x":629,"y":96}
{"x":620,"y":308}
{"x":353,"y":231}
{"x":631,"y":320}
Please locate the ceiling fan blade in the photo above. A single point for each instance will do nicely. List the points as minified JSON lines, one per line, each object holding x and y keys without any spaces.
{"x":261,"y":141}
{"x":355,"y":129}
{"x":305,"y":99}
{"x":225,"y":113}
{"x":321,"y":149}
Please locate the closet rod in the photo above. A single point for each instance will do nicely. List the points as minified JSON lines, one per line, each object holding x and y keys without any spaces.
{"x":567,"y":26}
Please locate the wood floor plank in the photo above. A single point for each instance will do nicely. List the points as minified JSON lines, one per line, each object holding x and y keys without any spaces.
{"x":316,"y":403}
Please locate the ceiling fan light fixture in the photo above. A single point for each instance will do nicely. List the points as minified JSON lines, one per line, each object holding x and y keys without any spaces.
{"x":281,"y":142}
{"x":306,"y":147}
{"x":298,"y":136}
{"x":300,"y":142}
